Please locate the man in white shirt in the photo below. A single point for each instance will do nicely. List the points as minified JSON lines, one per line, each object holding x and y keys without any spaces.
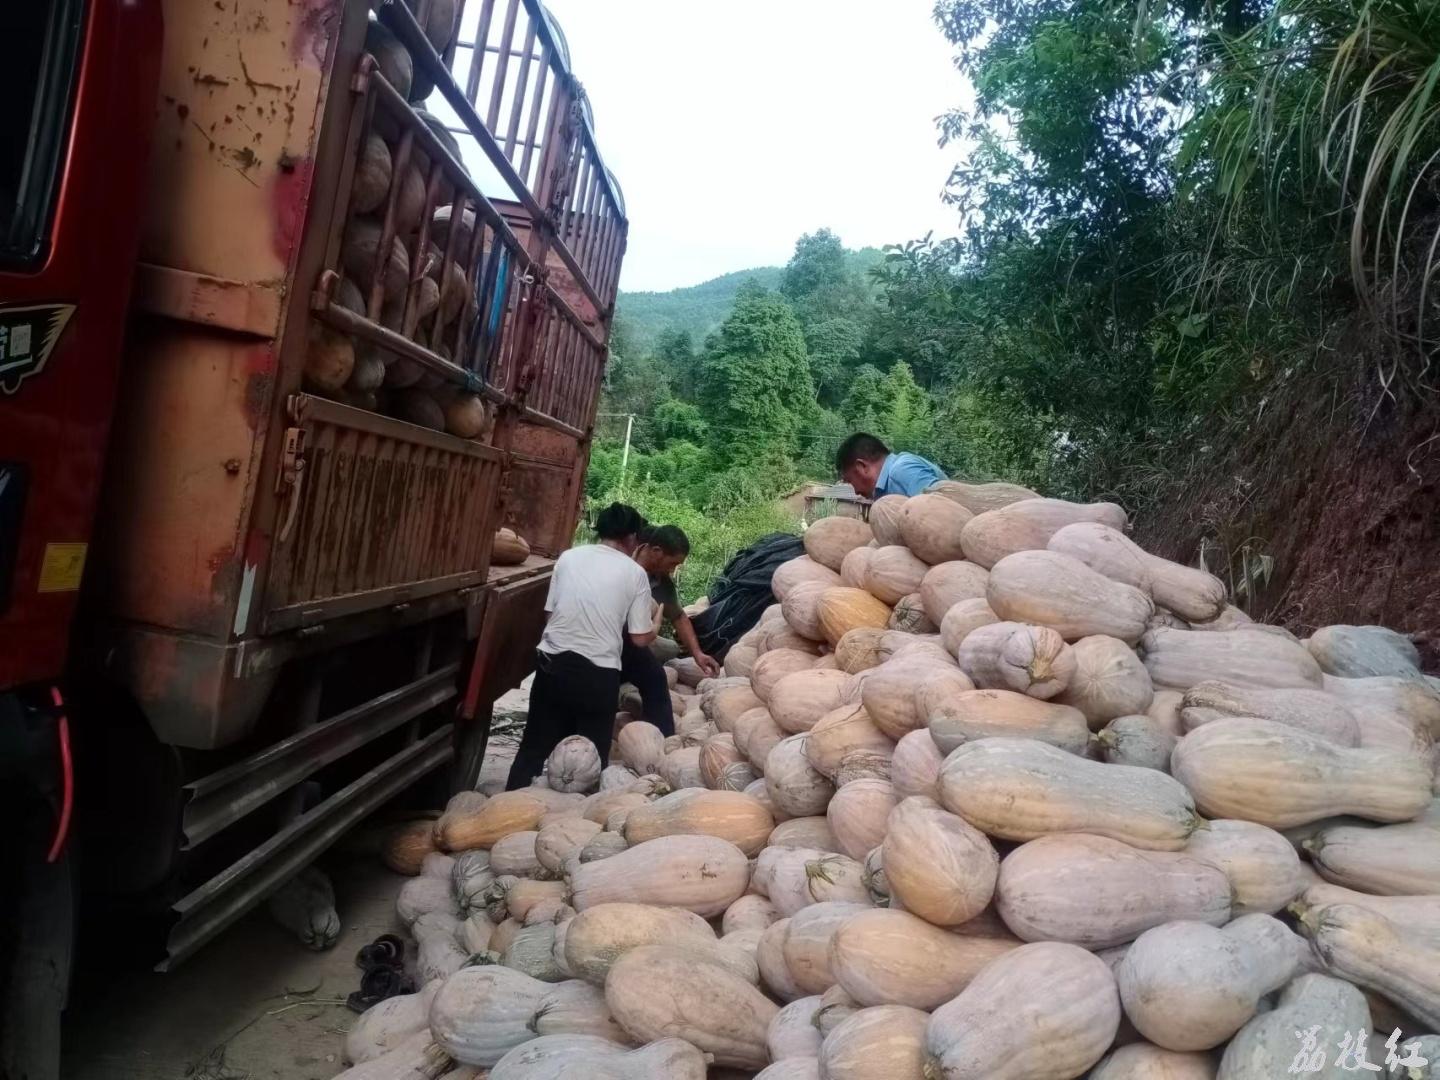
{"x":599,"y":598}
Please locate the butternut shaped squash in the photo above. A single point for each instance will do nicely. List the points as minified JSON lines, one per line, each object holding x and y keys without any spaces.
{"x":1142,"y":1061}
{"x":1054,"y":590}
{"x":795,"y":787}
{"x":1265,"y":872}
{"x":1190,"y":986}
{"x":892,"y":572}
{"x":978,"y":498}
{"x":883,"y":1043}
{"x":962,"y":619}
{"x":1020,"y":789}
{"x":1418,"y":915}
{"x":1280,"y":776}
{"x":727,"y":702}
{"x":1194,"y":595}
{"x":840,"y":733}
{"x":858,"y":813}
{"x":804,"y":832}
{"x":1357,"y":652}
{"x":1027,"y":525}
{"x":1266,"y":1047}
{"x":1316,"y":711}
{"x":800,"y":569}
{"x":806,"y":945}
{"x":1245,"y":658}
{"x":889,"y":957}
{"x":830,"y":539}
{"x":793,"y":1034}
{"x":1391,"y":860}
{"x":730,"y":815}
{"x":506,"y":813}
{"x":1046,"y":1011}
{"x":945,"y":584}
{"x":915,"y":765}
{"x":884,"y":518}
{"x":854,"y":567}
{"x":774,"y":666}
{"x":937,"y":864}
{"x":750,"y":912}
{"x":481,"y":1013}
{"x":985,"y":714}
{"x":703,"y":874}
{"x":800,"y":699}
{"x":1407,"y":699}
{"x":657,"y":992}
{"x":889,"y":693}
{"x":930,"y":526}
{"x":1098,"y":892}
{"x":1136,"y":740}
{"x":1367,"y":949}
{"x":1145,"y":1062}
{"x":1031,"y":660}
{"x":585,"y":1057}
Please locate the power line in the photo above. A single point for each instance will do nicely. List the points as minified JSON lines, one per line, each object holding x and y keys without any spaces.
{"x":734,"y":431}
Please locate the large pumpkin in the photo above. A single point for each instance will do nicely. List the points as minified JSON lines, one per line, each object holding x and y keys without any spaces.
{"x":829,"y":540}
{"x":946,"y":584}
{"x":802,"y":568}
{"x":894,"y":572}
{"x":1028,"y":526}
{"x":885,"y":519}
{"x":930,"y":526}
{"x":842,"y":610}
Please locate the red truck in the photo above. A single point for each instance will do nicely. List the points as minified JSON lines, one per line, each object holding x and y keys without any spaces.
{"x":258,"y":428}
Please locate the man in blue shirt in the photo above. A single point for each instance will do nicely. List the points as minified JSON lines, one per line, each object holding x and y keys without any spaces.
{"x":867,"y":465}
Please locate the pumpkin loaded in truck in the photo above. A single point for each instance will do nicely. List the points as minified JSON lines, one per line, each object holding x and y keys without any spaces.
{"x":304,"y":310}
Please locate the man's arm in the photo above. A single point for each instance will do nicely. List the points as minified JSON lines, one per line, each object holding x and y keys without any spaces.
{"x":641,"y":625}
{"x":685,"y":631}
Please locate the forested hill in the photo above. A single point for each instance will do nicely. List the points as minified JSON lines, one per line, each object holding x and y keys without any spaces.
{"x":698,"y":310}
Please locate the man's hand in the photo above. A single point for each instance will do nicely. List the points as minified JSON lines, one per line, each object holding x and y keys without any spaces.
{"x":707,"y":665}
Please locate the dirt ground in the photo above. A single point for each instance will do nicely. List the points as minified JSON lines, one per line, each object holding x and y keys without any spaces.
{"x":1327,"y":511}
{"x":255,"y":1004}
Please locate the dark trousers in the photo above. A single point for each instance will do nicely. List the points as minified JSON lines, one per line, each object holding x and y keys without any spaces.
{"x":642,"y":669}
{"x":570,"y":696}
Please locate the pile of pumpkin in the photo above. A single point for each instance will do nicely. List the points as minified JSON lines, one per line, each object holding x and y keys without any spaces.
{"x":990,"y":794}
{"x":356,"y":372}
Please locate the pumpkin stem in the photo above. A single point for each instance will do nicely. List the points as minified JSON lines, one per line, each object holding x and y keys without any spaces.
{"x":1197,"y":824}
{"x":436,"y":1064}
{"x":1305,"y":914}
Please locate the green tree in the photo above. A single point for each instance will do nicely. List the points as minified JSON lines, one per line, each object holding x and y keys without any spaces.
{"x":818,"y":264}
{"x":677,"y":420}
{"x":755,"y":387}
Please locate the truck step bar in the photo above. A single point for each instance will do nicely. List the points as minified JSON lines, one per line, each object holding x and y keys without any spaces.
{"x":217,"y":801}
{"x":213,"y":906}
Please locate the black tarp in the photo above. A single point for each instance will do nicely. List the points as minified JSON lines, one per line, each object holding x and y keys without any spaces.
{"x":741,"y":592}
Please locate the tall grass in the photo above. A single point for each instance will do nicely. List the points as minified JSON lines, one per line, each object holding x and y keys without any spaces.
{"x":1326,"y":118}
{"x":714,"y":536}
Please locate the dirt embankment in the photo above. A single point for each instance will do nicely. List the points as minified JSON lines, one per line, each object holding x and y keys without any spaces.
{"x":1325,"y":509}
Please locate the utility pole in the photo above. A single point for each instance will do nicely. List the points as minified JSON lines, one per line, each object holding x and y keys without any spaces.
{"x":625,"y":454}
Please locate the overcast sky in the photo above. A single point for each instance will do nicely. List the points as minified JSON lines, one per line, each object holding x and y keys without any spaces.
{"x":734,"y":127}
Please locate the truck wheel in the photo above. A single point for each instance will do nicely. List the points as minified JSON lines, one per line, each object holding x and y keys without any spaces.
{"x":37,"y":927}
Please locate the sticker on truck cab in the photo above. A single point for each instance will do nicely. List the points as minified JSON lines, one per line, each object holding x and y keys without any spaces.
{"x":27,"y":338}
